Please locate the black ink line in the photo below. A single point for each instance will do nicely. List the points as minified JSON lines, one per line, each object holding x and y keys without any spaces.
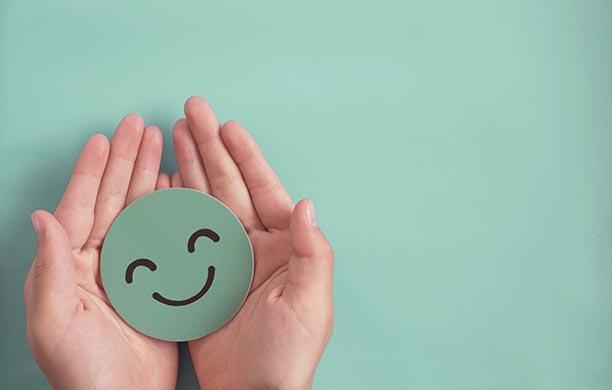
{"x":201,"y":233}
{"x":129,"y":272}
{"x":211,"y":276}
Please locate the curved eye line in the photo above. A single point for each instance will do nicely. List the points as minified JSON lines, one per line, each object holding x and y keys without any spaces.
{"x":129,"y":272}
{"x":201,"y":233}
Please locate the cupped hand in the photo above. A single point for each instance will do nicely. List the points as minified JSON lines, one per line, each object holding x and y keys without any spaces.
{"x":279,"y":334}
{"x":74,"y":334}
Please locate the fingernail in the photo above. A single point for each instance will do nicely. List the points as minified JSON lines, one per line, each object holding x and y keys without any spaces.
{"x":310,"y":214}
{"x":36,"y":225}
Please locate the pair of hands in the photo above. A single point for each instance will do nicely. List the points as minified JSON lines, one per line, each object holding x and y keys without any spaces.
{"x":279,"y":334}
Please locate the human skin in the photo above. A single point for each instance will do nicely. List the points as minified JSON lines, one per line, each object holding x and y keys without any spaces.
{"x":276,"y":339}
{"x":74,"y":334}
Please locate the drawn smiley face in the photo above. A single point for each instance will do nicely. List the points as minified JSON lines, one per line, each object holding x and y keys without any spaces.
{"x":129,"y":272}
{"x":176,"y":264}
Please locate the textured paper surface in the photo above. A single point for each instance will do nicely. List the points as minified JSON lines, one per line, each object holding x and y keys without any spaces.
{"x":153,"y":234}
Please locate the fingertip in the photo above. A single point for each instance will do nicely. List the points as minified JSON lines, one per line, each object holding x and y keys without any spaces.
{"x":304,"y":213}
{"x":153,"y":135}
{"x":129,"y":128}
{"x":199,"y":109}
{"x":133,"y":120}
{"x":194,"y":102}
{"x":231,"y":130}
{"x":306,"y":237}
{"x":192,"y":99}
{"x":181,"y":122}
{"x":299,"y":227}
{"x":179,"y":130}
{"x":98,"y":144}
{"x":311,"y":217}
{"x":203,"y":123}
{"x":300,"y":211}
{"x":37,"y":224}
{"x":128,"y":136}
{"x":40,"y":220}
{"x":41,"y":214}
{"x":233,"y":124}
{"x":99,"y":139}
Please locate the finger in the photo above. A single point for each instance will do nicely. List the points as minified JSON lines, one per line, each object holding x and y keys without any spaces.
{"x":146,"y":167}
{"x":75,"y":211}
{"x":271,"y":200}
{"x":163,"y":181}
{"x":188,"y":158}
{"x":116,"y":179}
{"x":224,"y":177}
{"x":52,"y":276}
{"x":311,"y":266}
{"x":177,"y":180}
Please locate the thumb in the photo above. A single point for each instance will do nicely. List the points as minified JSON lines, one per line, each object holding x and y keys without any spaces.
{"x":311,"y":266}
{"x":50,"y":284}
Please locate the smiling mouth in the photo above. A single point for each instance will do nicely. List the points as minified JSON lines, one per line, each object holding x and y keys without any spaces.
{"x":171,"y":302}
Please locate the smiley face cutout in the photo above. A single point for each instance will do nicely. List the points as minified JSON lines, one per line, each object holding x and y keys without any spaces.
{"x":176,"y":264}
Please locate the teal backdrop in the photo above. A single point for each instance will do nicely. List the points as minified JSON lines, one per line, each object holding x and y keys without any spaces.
{"x":459,"y":154}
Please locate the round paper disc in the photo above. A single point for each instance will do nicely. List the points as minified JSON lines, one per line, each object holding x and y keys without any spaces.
{"x":176,"y":264}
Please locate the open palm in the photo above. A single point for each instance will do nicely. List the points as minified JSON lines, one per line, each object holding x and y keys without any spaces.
{"x":278,"y":336}
{"x":74,"y":334}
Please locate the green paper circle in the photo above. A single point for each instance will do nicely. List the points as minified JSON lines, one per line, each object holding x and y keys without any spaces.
{"x":155,"y":299}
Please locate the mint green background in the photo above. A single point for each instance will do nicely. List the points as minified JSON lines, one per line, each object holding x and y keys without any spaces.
{"x":157,"y":227}
{"x":459,"y":154}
